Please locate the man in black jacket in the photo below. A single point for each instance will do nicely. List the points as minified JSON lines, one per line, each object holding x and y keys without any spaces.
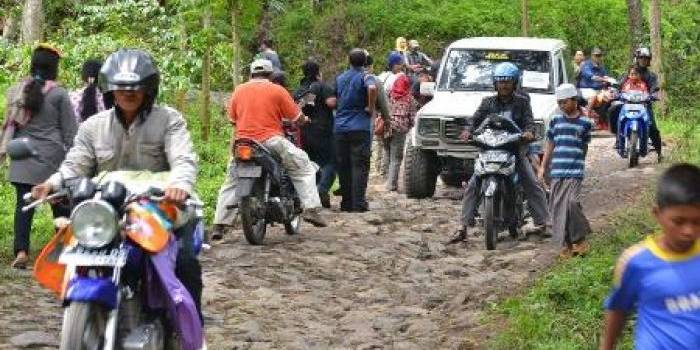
{"x":642,"y":58}
{"x":516,"y":107}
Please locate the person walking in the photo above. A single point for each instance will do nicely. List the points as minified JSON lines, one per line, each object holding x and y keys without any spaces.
{"x":579,"y":57}
{"x":356,"y":93}
{"x":317,"y":135}
{"x":38,"y":109}
{"x":403,"y":112}
{"x":88,"y":100}
{"x":267,"y":53}
{"x":566,"y":147}
{"x":416,"y":60}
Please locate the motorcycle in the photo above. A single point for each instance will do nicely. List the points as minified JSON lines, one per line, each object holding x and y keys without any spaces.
{"x":115,"y":271}
{"x":265,"y":193}
{"x":633,"y":126}
{"x":498,"y":139}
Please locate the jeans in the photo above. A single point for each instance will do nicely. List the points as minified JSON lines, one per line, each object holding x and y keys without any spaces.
{"x":534,"y":193}
{"x":393,"y":156}
{"x":353,"y":150}
{"x":23,"y":220}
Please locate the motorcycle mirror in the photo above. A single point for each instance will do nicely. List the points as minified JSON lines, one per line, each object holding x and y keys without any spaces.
{"x":20,"y":148}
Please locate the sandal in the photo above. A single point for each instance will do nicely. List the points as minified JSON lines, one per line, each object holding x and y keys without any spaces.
{"x":20,"y":262}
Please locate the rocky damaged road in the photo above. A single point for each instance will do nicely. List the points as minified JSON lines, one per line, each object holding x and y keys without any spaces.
{"x":377,"y":280}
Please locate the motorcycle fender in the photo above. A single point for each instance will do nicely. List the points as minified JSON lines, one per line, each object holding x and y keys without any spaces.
{"x":491,"y":186}
{"x":244,"y":187}
{"x":634,"y":125}
{"x":92,"y":290}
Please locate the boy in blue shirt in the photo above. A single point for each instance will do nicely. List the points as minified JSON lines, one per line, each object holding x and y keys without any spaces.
{"x":567,"y":144}
{"x":659,"y":277}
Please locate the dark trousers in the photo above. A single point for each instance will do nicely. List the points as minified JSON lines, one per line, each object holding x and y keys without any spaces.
{"x":322,"y":152}
{"x":353,"y":151}
{"x":187,"y":267}
{"x":23,"y":220}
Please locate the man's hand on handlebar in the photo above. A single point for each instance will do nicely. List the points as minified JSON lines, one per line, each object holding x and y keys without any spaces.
{"x":465,"y":135}
{"x":175,"y":194}
{"x":41,"y":191}
{"x":528,"y":136}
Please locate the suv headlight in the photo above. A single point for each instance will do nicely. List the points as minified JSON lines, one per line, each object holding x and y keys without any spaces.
{"x":94,"y":223}
{"x":429,"y":127}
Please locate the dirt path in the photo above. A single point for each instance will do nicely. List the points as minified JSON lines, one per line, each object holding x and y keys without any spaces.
{"x":379,"y":280}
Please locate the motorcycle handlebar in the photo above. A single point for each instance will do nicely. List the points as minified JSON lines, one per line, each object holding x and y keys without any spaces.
{"x":28,"y":197}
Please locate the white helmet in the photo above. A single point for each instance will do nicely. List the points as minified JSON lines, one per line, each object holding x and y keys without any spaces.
{"x":565,"y":91}
{"x":261,"y":66}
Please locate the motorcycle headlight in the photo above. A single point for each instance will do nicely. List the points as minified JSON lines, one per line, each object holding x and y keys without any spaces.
{"x":94,"y":223}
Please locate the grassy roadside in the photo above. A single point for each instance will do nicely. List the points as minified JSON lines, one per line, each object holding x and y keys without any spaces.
{"x":563,"y":308}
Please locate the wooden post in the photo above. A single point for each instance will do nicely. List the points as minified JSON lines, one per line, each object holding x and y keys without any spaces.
{"x":525,"y":19}
{"x":657,"y":62}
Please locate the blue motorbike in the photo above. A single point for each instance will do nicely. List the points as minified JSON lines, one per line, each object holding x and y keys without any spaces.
{"x":634,"y":122}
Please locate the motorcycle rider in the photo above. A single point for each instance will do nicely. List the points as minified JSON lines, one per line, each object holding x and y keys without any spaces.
{"x":257,"y":108}
{"x":642,"y":58}
{"x":516,"y":107}
{"x":137,"y":135}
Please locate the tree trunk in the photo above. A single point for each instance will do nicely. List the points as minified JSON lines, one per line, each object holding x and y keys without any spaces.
{"x":265,"y":22}
{"x":9,"y":29}
{"x":635,"y":21}
{"x":206,"y":82}
{"x":236,"y":42}
{"x":32,"y":21}
{"x":525,"y":19}
{"x":657,"y":62}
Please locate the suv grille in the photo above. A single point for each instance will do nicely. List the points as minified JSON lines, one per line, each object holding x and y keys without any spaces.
{"x":451,"y":129}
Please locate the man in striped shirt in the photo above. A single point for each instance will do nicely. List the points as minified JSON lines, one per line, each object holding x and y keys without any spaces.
{"x":567,"y":144}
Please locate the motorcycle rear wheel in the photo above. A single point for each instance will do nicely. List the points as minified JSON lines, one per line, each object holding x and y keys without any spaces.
{"x":491,"y":233}
{"x":83,"y":327}
{"x":633,"y":153}
{"x":254,"y":227}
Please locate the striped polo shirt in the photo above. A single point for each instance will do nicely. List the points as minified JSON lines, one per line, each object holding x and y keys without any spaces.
{"x":569,"y":136}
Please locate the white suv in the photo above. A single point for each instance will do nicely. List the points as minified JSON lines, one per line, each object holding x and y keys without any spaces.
{"x":464,"y":79}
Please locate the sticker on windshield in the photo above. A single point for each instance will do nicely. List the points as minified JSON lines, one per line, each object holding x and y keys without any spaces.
{"x":497,"y":56}
{"x":535,"y":80}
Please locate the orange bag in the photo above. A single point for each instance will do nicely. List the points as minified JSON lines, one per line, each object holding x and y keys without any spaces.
{"x":47,"y":270}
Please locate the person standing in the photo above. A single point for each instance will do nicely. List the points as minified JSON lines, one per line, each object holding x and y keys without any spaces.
{"x":317,"y":135}
{"x":403,"y":112}
{"x":593,"y":72}
{"x":579,"y":57}
{"x":267,"y":53}
{"x":416,"y":60}
{"x":566,"y":147}
{"x":38,"y":109}
{"x":88,"y":100}
{"x":356,"y":93}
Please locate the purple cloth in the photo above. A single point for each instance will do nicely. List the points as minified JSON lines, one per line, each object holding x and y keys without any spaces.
{"x":169,"y":293}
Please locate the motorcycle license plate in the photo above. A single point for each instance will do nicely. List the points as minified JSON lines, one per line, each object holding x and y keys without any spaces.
{"x":249,"y":171}
{"x":80,"y":257}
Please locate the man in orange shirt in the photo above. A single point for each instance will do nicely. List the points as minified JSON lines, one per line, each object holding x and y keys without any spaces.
{"x":257,"y":109}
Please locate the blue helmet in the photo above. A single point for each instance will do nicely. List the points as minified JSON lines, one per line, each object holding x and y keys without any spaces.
{"x":506,"y":71}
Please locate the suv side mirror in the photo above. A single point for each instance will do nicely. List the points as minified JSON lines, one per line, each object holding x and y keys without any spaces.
{"x":427,"y":88}
{"x":20,"y":148}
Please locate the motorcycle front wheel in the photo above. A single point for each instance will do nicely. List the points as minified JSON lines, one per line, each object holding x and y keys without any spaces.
{"x":491,"y":233}
{"x":84,"y":326}
{"x":633,"y":152}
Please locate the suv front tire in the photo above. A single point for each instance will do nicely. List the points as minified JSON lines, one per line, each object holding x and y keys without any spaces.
{"x":420,"y":172}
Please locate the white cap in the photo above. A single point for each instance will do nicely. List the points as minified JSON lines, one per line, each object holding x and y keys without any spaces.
{"x":261,"y":66}
{"x":565,"y":91}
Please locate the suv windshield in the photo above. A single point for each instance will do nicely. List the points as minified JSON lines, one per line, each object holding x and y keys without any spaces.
{"x":470,"y":70}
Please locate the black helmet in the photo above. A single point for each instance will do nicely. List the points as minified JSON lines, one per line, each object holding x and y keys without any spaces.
{"x":642,"y":52}
{"x":129,"y":69}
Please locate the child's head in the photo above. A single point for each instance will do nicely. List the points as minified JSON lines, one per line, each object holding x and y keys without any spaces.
{"x":633,"y":73}
{"x":678,"y":203}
